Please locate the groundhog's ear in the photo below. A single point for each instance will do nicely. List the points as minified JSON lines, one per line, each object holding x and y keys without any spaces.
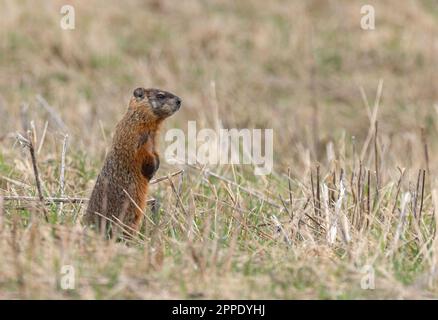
{"x":139,"y":93}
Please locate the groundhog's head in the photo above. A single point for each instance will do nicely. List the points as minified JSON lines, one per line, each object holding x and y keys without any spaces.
{"x":155,"y":102}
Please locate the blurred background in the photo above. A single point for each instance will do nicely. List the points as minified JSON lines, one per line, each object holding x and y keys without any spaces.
{"x":295,"y":66}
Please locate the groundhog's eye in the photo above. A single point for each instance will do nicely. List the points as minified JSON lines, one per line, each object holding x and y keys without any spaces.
{"x":161,"y":96}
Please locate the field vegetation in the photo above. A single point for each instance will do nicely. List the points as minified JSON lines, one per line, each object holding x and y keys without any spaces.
{"x":349,"y":211}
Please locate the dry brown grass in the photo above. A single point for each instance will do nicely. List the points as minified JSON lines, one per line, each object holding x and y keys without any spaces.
{"x":305,"y":69}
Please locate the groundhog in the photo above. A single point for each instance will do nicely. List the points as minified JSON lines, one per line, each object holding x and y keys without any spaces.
{"x":122,"y":185}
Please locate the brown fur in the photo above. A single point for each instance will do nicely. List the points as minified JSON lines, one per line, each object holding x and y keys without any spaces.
{"x":131,"y":162}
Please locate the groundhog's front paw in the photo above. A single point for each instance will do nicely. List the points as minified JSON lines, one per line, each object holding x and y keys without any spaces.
{"x":149,"y":167}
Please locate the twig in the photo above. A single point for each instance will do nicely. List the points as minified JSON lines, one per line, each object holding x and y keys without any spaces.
{"x":280,"y":227}
{"x":402,"y":173}
{"x":127,"y":226}
{"x":17,"y":183}
{"x":29,"y":144}
{"x":313,"y":192}
{"x":53,"y":199}
{"x":357,"y":218}
{"x":198,"y":195}
{"x":284,"y":205}
{"x":43,"y":137}
{"x":62,"y":174}
{"x":177,"y":196}
{"x":171,"y":175}
{"x":138,"y":207}
{"x":318,"y":190}
{"x":332,"y":190}
{"x":1,"y":213}
{"x":426,"y":150}
{"x":353,"y":192}
{"x":314,"y":219}
{"x":402,"y":221}
{"x":376,"y":154}
{"x":290,"y":194}
{"x":417,"y":191}
{"x":422,"y":195}
{"x":47,"y":199}
{"x":368,"y":199}
{"x":77,"y":199}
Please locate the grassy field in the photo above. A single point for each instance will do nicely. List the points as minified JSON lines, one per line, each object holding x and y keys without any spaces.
{"x":354,"y":115}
